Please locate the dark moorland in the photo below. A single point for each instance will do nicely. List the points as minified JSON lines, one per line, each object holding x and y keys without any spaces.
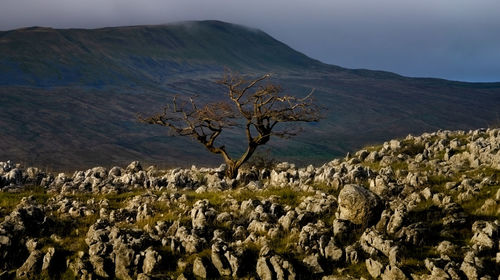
{"x":69,"y":97}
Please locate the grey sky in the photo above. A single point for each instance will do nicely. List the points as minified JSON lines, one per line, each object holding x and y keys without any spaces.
{"x":453,"y":39}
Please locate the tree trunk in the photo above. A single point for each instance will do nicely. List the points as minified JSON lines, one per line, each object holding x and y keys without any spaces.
{"x":234,"y":166}
{"x":231,"y":170}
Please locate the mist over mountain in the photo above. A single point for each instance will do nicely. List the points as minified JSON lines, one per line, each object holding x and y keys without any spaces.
{"x":138,"y":55}
{"x":69,"y":97}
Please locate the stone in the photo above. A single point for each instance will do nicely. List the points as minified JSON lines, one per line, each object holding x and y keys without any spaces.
{"x":286,"y":221}
{"x":312,"y":262}
{"x":373,"y":157}
{"x":279,"y":272}
{"x":142,"y":276}
{"x":202,"y":215}
{"x":396,"y":221}
{"x":263,"y":270}
{"x":469,"y":270}
{"x":234,"y":259}
{"x":438,"y":273}
{"x":32,"y":266}
{"x":393,"y":272}
{"x":332,"y":252}
{"x":199,"y":268}
{"x":358,"y":205}
{"x":151,"y":261}
{"x":32,"y":245}
{"x":219,"y":260}
{"x":485,"y":234}
{"x":471,"y":265}
{"x":490,"y":207}
{"x":447,"y":248}
{"x":134,"y":167}
{"x":182,"y":277}
{"x":100,"y":266}
{"x":351,"y":253}
{"x":483,"y":240}
{"x":124,"y":257}
{"x":374,"y":267}
{"x":379,"y":186}
{"x":394,"y":144}
{"x":371,"y":241}
{"x":115,"y":171}
{"x":47,"y":258}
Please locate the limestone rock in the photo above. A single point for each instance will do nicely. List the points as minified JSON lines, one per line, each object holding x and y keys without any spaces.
{"x":392,"y":272}
{"x":263,"y":269}
{"x":312,"y":262}
{"x":32,"y":266}
{"x":374,"y":267}
{"x":151,"y":261}
{"x":358,"y":205}
{"x":199,"y":268}
{"x":219,"y":260}
{"x":48,"y":258}
{"x":123,"y":258}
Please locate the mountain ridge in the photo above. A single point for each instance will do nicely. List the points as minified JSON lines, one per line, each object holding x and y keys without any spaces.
{"x":300,"y":60}
{"x":140,"y":53}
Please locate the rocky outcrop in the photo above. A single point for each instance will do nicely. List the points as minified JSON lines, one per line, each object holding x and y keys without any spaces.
{"x":423,"y":207}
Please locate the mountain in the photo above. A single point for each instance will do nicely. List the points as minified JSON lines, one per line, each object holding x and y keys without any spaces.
{"x":69,"y":97}
{"x":138,"y":54}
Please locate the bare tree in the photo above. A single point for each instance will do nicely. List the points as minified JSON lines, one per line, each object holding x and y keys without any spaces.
{"x":251,"y":105}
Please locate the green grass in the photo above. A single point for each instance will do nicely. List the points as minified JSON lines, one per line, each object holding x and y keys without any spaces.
{"x":423,"y":205}
{"x":473,"y":206}
{"x":375,"y":166}
{"x":116,"y":200}
{"x":373,"y":148}
{"x":357,"y":270}
{"x":413,"y":258}
{"x":216,"y":199}
{"x":411,"y":149}
{"x":483,"y":172}
{"x":284,"y":244}
{"x":9,"y":200}
{"x":286,"y":196}
{"x":325,"y":188}
{"x":399,"y":165}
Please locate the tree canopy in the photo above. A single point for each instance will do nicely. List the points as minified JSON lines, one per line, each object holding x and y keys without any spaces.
{"x":251,"y":104}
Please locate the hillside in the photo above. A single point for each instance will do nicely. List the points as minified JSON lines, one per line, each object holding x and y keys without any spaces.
{"x":69,"y":97}
{"x":422,"y":207}
{"x":138,"y":55}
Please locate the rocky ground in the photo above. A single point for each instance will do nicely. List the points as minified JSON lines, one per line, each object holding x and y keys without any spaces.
{"x":424,"y":207}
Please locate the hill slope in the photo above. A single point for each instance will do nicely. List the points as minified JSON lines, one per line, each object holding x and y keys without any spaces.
{"x":137,"y":54}
{"x":69,"y":98}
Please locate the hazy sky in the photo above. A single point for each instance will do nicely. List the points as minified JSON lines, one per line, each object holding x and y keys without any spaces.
{"x":453,"y":39}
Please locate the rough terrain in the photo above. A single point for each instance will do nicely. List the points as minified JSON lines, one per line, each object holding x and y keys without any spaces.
{"x":423,"y":207}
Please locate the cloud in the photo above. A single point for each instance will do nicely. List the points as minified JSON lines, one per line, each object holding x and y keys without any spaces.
{"x":455,"y":39}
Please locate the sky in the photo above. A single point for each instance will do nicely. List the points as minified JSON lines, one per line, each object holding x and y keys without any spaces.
{"x":451,"y":39}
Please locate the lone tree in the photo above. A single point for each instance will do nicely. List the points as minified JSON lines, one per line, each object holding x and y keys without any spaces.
{"x":251,"y":104}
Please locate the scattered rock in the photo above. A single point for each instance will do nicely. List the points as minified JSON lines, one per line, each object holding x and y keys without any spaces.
{"x":32,"y":266}
{"x":374,"y":267}
{"x":199,"y":268}
{"x":282,"y":223}
{"x":358,"y":205}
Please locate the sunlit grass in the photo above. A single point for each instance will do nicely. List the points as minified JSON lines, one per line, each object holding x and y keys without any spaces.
{"x":9,"y":200}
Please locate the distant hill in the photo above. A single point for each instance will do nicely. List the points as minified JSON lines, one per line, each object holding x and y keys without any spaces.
{"x":69,"y":97}
{"x":138,"y":54}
